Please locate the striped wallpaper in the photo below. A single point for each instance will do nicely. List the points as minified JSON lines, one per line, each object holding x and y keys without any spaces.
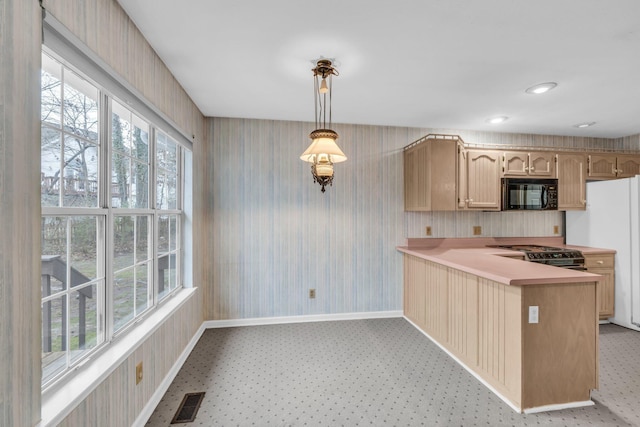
{"x":20,"y":345}
{"x":274,"y":235}
{"x":106,"y":29}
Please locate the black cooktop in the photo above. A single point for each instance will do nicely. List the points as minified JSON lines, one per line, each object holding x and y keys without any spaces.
{"x":546,"y":254}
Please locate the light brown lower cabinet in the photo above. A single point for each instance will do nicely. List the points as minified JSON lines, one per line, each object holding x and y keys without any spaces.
{"x":484,"y":324}
{"x":603,"y":265}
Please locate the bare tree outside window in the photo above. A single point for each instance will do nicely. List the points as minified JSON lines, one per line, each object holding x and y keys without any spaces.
{"x":70,"y":144}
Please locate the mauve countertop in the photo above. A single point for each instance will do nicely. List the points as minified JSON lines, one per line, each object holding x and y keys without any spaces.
{"x":473,"y":256}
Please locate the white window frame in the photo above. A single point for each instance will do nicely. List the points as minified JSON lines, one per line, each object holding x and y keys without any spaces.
{"x":107,"y":213}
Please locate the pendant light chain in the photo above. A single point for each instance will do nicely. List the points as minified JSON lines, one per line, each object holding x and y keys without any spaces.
{"x":330,"y":92}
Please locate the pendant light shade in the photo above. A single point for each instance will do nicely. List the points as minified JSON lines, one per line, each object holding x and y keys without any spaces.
{"x":323,"y":142}
{"x":323,"y":151}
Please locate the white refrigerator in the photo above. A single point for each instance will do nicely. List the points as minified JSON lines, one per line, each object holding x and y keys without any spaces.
{"x":612,"y":221}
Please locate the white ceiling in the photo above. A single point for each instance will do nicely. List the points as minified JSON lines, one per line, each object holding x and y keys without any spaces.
{"x":419,"y":63}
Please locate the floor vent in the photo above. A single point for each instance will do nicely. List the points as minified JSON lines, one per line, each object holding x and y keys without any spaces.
{"x":188,"y":408}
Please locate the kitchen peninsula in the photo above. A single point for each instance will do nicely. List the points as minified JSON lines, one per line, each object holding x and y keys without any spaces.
{"x":528,"y":331}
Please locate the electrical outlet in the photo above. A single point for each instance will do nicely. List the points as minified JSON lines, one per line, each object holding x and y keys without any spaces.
{"x":533,"y":314}
{"x":477,"y":230}
{"x":428,"y":230}
{"x":138,"y":373}
{"x":312,"y":293}
{"x":556,"y":229}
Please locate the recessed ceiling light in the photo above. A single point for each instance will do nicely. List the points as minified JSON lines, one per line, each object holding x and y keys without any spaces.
{"x":541,"y":88}
{"x":496,"y":120}
{"x":584,"y":125}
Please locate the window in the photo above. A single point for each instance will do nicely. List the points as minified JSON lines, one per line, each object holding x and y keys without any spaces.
{"x":112,"y":187}
{"x":167,"y":196}
{"x":72,"y":283}
{"x":70,"y":145}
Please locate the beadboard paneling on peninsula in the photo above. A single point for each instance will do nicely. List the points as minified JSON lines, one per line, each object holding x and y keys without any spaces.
{"x":276,"y":235}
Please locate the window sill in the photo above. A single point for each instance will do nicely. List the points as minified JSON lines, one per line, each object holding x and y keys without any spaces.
{"x":61,"y":398}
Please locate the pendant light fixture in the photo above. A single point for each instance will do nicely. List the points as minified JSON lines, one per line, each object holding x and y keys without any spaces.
{"x":323,"y":151}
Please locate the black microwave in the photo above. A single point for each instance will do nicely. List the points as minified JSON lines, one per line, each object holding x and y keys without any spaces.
{"x":529,"y":194}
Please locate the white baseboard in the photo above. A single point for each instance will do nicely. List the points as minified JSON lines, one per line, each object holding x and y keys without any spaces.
{"x":559,"y":406}
{"x":505,"y":399}
{"x":257,"y":321}
{"x":151,"y":405}
{"x":468,"y":369}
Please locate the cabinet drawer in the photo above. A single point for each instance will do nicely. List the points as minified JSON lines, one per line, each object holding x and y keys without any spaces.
{"x":598,"y":261}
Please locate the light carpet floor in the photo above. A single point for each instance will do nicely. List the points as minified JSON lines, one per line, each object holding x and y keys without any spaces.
{"x":378,"y":372}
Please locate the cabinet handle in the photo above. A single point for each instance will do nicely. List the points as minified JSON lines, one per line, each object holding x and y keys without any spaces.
{"x":600,"y":262}
{"x":531,"y":169}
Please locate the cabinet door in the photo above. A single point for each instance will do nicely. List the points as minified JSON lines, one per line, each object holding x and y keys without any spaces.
{"x":603,"y":265}
{"x":572,"y":170}
{"x":483,"y":180}
{"x":443,"y":168}
{"x":628,"y":166}
{"x":606,"y":292}
{"x":516,"y":163}
{"x":430,"y":176}
{"x":542,"y":164}
{"x":416,"y":179}
{"x":602,"y":166}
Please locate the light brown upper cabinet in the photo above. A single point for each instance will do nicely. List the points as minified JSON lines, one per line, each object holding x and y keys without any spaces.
{"x":611,"y":165}
{"x":572,"y":181}
{"x":628,"y":165}
{"x":442,"y":174}
{"x":430,"y":175}
{"x":479,"y":180}
{"x":532,"y":164}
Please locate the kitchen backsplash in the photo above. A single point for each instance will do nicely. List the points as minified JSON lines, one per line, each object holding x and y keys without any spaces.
{"x":493,"y":224}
